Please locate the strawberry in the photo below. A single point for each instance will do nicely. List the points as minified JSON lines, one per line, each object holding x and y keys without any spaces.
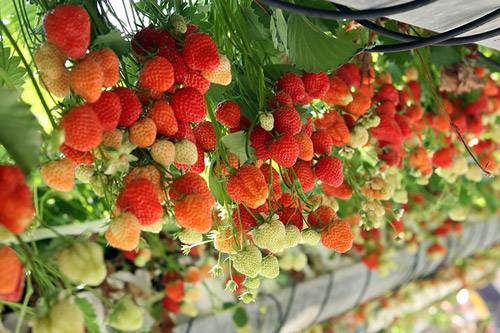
{"x":338,"y":92}
{"x":306,"y":146}
{"x":388,"y":93}
{"x":270,"y":267}
{"x":392,"y":154}
{"x":184,"y":132}
{"x":194,"y":212}
{"x":221,"y":75}
{"x":270,"y":236}
{"x":343,"y":191}
{"x":82,"y":129}
{"x":163,"y":152}
{"x":157,"y":75}
{"x":248,"y":186}
{"x":414,"y":88}
{"x":150,"y":40}
{"x":386,"y":109}
{"x":192,"y":275}
{"x":329,"y":171}
{"x":88,"y":269}
{"x":350,"y":74}
{"x":338,"y":236}
{"x":228,"y":114}
{"x":142,"y":133}
{"x":291,"y":216}
{"x":248,"y":261}
{"x":68,"y":28}
{"x":371,"y":261}
{"x":108,"y":109}
{"x":140,"y":198}
{"x":186,"y":152}
{"x":284,"y":150}
{"x":62,"y":316}
{"x":50,"y":61}
{"x":126,"y":315}
{"x":243,"y":219}
{"x":322,"y":142}
{"x":188,"y":105}
{"x":414,"y":112}
{"x":321,"y":217}
{"x":109,"y":63}
{"x":149,"y":172}
{"x":388,"y":130}
{"x":287,"y":120}
{"x":188,"y":236}
{"x":59,"y":175}
{"x":359,"y":105}
{"x":205,"y":135}
{"x":200,"y":52}
{"x":170,"y":305}
{"x":443,"y":157}
{"x":280,"y":99}
{"x":177,"y":62}
{"x":79,"y":157}
{"x":58,"y":87}
{"x":86,"y":79}
{"x":112,"y":138}
{"x":12,"y":275}
{"x":199,"y":166}
{"x":292,"y":84}
{"x":195,"y":80}
{"x":163,"y":116}
{"x":305,"y":174}
{"x":175,"y":290}
{"x":316,"y":84}
{"x":131,"y":106}
{"x":272,"y":177}
{"x":404,"y":124}
{"x":124,"y":232}
{"x":260,"y":140}
{"x":310,"y":237}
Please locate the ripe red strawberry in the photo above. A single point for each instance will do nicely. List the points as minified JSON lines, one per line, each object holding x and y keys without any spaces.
{"x":199,"y":166}
{"x":175,"y":58}
{"x":108,"y":109}
{"x":342,"y":192}
{"x":306,"y":147}
{"x":86,"y":79}
{"x":391,"y":154}
{"x":260,"y":140}
{"x":68,"y":28}
{"x":228,"y":114}
{"x":189,"y":105}
{"x":195,"y":80}
{"x":291,"y":215}
{"x":292,"y":84}
{"x":142,"y":133}
{"x":414,"y":88}
{"x":322,"y":142}
{"x":190,"y":183}
{"x":59,"y":175}
{"x":387,"y":93}
{"x":150,"y":40}
{"x":11,"y":275}
{"x":414,"y":112}
{"x":304,"y":173}
{"x":131,"y":106}
{"x":184,"y":132}
{"x":175,"y":290}
{"x":350,"y":74}
{"x":338,"y":236}
{"x":79,"y":157}
{"x":205,"y":135}
{"x":388,"y":130}
{"x":109,"y":63}
{"x":272,"y":177}
{"x":140,"y":198}
{"x":280,"y":99}
{"x":287,"y":120}
{"x":316,"y":84}
{"x":16,"y":202}
{"x":200,"y":52}
{"x":82,"y":129}
{"x":307,"y":128}
{"x":157,"y":75}
{"x":338,"y":92}
{"x":443,"y":157}
{"x":248,"y":186}
{"x":404,"y":124}
{"x":371,"y":261}
{"x":284,"y":150}
{"x":243,"y":219}
{"x":329,"y":171}
{"x":321,"y":217}
{"x":163,"y":116}
{"x":359,"y":105}
{"x":386,"y":109}
{"x":170,"y":305}
{"x":194,"y":212}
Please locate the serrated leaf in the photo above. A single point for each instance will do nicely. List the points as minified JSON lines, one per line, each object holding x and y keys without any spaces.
{"x":88,"y":315}
{"x":278,"y":28}
{"x":240,"y":317}
{"x":115,"y":41}
{"x":19,"y":130}
{"x":11,"y":74}
{"x":444,"y":56}
{"x":237,"y":144}
{"x":311,"y":49}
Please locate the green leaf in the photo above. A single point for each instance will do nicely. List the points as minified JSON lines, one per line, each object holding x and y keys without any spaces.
{"x":19,"y":130}
{"x":115,"y":41}
{"x":11,"y":74}
{"x":88,"y":315}
{"x":276,"y":71}
{"x":278,"y":28}
{"x":237,"y":144}
{"x":240,"y":317}
{"x":217,"y":187}
{"x":312,"y":50}
{"x":443,"y":56}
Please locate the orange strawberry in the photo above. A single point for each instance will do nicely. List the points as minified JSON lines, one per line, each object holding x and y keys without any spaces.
{"x":248,"y":186}
{"x":343,"y":191}
{"x":157,"y":75}
{"x":112,"y":138}
{"x":142,"y":133}
{"x":338,"y":236}
{"x":321,"y":217}
{"x":124,"y":232}
{"x":11,"y":275}
{"x":359,"y":105}
{"x":58,"y":87}
{"x":86,"y":79}
{"x":59,"y":175}
{"x":222,"y":74}
{"x":140,"y":197}
{"x":192,"y":275}
{"x":306,"y":149}
{"x":175,"y":290}
{"x":163,"y":116}
{"x":82,"y":129}
{"x":109,"y":63}
{"x":194,"y":212}
{"x":108,"y":109}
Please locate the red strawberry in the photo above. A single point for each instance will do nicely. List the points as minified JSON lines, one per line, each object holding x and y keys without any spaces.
{"x":287,"y":120}
{"x":338,"y":92}
{"x":108,"y":109}
{"x":322,"y":142}
{"x":109,"y":63}
{"x":228,"y":114}
{"x":195,"y":80}
{"x":316,"y":84}
{"x":404,"y":124}
{"x":321,"y":216}
{"x":306,"y":146}
{"x":200,"y":52}
{"x":163,"y":116}
{"x":180,"y":68}
{"x":248,"y":186}
{"x":342,"y":192}
{"x":170,"y":305}
{"x":131,"y":106}
{"x":79,"y":157}
{"x":190,"y":183}
{"x":477,"y":107}
{"x":359,"y":105}
{"x":414,"y":112}
{"x":157,"y":75}
{"x":280,"y":99}
{"x":291,"y":215}
{"x":184,"y":132}
{"x":11,"y":275}
{"x":387,"y":93}
{"x":338,"y":236}
{"x":142,"y":133}
{"x":189,"y":105}
{"x":175,"y":290}
{"x":307,"y":128}
{"x":149,"y":40}
{"x":414,"y":88}
{"x":68,"y":28}
{"x":82,"y":129}
{"x":386,"y":109}
{"x":329,"y":170}
{"x":260,"y":140}
{"x":86,"y":79}
{"x":140,"y":198}
{"x":371,"y":261}
{"x":350,"y":74}
{"x":388,"y":130}
{"x":292,"y":84}
{"x":205,"y":135}
{"x":243,"y":219}
{"x":304,"y":173}
{"x":194,"y":212}
{"x":199,"y":166}
{"x":391,"y":154}
{"x":443,"y":157}
{"x":284,"y":150}
{"x":273,"y":180}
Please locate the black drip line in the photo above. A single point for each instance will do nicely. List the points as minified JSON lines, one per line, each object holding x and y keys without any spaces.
{"x":288,"y":308}
{"x":325,"y":299}
{"x":364,"y":290}
{"x":278,"y":305}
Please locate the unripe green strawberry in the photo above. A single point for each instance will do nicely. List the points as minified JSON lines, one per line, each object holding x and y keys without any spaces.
{"x":83,"y":263}
{"x":50,"y":61}
{"x":299,"y":261}
{"x":267,"y":121}
{"x":186,"y":152}
{"x":248,"y":261}
{"x":248,"y":297}
{"x":64,"y":317}
{"x":310,"y":237}
{"x":178,"y":22}
{"x":163,"y":152}
{"x":400,"y":196}
{"x":189,"y":236}
{"x":372,"y":121}
{"x":98,"y":183}
{"x":358,"y":138}
{"x":189,"y":309}
{"x":286,"y":260}
{"x":457,"y":213}
{"x":84,"y":173}
{"x":270,"y":236}
{"x":143,"y":257}
{"x":126,"y":316}
{"x":292,"y":236}
{"x":252,"y":283}
{"x":154,"y":228}
{"x":270,"y":267}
